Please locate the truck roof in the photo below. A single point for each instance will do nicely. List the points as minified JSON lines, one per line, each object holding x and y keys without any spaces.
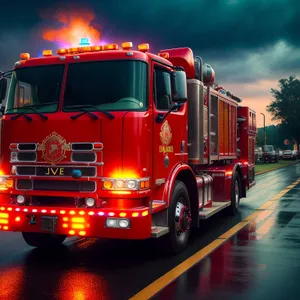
{"x":82,"y":56}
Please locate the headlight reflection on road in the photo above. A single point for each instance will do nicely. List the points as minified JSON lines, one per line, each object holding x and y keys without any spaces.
{"x":11,"y":282}
{"x":82,"y":285}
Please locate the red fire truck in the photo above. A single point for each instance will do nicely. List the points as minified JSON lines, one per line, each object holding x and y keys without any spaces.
{"x":102,"y":141}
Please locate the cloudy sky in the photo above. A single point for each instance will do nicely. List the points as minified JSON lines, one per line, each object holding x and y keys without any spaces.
{"x":251,"y":44}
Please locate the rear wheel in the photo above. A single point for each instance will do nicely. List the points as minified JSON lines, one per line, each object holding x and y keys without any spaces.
{"x":43,"y":240}
{"x":235,"y":194}
{"x":179,"y":220}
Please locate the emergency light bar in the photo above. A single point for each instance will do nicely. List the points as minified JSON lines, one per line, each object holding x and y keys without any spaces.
{"x":85,"y":46}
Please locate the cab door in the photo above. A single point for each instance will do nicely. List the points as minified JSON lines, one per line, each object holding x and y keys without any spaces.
{"x":170,"y":135}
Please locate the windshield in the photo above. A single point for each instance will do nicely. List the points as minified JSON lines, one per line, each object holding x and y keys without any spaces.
{"x":108,"y":85}
{"x":268,"y":148}
{"x":38,"y":87}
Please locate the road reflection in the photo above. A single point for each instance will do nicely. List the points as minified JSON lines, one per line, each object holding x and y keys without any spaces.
{"x":11,"y":282}
{"x":237,"y":266}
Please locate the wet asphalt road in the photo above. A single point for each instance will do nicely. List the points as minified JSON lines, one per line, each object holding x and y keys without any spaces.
{"x":84,"y":269}
{"x":261,"y":261}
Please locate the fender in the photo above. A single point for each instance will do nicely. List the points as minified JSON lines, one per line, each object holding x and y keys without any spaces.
{"x":167,"y":194}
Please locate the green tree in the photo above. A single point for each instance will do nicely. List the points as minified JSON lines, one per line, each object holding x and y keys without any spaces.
{"x":285,"y":106}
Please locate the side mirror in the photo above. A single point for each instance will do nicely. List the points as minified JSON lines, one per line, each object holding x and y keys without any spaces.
{"x":179,"y":86}
{"x":3,"y":88}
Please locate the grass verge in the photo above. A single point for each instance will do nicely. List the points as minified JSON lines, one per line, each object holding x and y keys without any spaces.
{"x":264,"y":168}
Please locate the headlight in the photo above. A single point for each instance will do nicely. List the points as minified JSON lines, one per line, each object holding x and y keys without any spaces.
{"x":90,"y":202}
{"x":21,"y":199}
{"x":126,"y":184}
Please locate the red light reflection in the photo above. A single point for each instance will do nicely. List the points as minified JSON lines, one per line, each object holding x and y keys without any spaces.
{"x":80,"y":285}
{"x":11,"y":283}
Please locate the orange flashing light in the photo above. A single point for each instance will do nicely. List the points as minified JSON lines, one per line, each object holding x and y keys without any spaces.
{"x":107,"y":184}
{"x":82,"y":233}
{"x":78,"y":220}
{"x":145,"y":213}
{"x":97,"y":48}
{"x":121,"y":192}
{"x":77,"y":226}
{"x":62,"y":51}
{"x":143,"y":47}
{"x":111,"y":47}
{"x":164,"y":55}
{"x":17,"y":219}
{"x":85,"y":49}
{"x":127,"y":45}
{"x":135,"y":214}
{"x":73,"y":50}
{"x":145,"y":184}
{"x":122,"y":214}
{"x":47,"y":53}
{"x":71,"y":232}
{"x":25,"y":56}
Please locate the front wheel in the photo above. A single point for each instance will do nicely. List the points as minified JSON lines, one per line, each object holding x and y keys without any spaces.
{"x":235,"y":194}
{"x":43,"y":240}
{"x":179,"y":220}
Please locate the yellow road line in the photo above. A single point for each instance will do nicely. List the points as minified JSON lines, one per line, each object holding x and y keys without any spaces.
{"x":173,"y":274}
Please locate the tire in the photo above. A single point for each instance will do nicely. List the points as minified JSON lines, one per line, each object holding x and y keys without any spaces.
{"x":177,"y":239}
{"x":235,"y":194}
{"x":43,"y":240}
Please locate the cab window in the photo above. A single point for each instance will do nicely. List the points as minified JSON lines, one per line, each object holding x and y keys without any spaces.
{"x":162,"y":89}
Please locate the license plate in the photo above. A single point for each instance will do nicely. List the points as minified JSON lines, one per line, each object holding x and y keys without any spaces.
{"x":49,"y":224}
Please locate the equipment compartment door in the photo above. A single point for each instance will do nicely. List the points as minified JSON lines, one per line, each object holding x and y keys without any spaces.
{"x":170,"y":136}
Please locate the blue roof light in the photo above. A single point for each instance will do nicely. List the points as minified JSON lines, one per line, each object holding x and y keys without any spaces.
{"x":84,"y":42}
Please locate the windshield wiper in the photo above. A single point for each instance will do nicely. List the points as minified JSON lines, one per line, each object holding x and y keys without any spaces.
{"x":28,"y":117}
{"x":31,"y":107}
{"x":84,"y":111}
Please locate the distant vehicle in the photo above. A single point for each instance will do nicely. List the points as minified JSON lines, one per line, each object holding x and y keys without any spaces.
{"x":258,"y":154}
{"x":290,"y":154}
{"x":280,"y":153}
{"x":269,"y":154}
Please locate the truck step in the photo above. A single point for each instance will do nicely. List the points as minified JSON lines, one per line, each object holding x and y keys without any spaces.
{"x":157,"y":231}
{"x":210,"y":211}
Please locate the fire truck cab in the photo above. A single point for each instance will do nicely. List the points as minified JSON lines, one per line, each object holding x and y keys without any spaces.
{"x":120,"y":143}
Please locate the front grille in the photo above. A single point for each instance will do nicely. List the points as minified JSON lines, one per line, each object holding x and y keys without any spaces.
{"x":27,"y":147}
{"x":45,"y":171}
{"x":53,"y":201}
{"x":26,"y":156}
{"x":82,"y":146}
{"x":84,"y":157}
{"x":56,"y":185}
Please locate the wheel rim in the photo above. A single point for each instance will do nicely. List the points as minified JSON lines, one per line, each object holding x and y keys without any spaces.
{"x":236,"y":194}
{"x":182,"y":220}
